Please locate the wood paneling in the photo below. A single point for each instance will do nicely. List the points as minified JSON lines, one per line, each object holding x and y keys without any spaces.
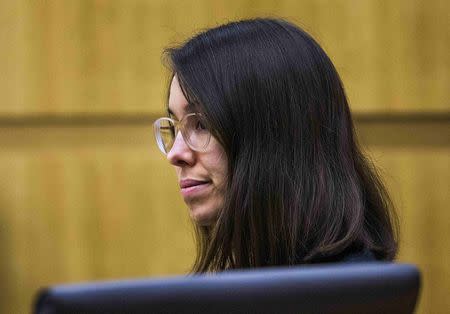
{"x":84,"y":193}
{"x":84,"y":203}
{"x":418,"y":179}
{"x":104,"y":56}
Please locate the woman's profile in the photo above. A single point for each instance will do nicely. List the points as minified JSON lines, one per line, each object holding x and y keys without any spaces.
{"x":260,"y":134}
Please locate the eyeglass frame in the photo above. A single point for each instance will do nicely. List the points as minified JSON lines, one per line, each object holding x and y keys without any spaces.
{"x":179,"y":127}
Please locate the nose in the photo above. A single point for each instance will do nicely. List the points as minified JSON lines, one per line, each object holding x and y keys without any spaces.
{"x":180,"y":154}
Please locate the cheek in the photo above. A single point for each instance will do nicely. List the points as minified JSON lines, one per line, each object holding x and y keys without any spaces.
{"x":218,"y":166}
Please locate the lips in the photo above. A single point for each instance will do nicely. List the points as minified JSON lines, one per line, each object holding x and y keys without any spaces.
{"x":187,"y":183}
{"x":192,"y":189}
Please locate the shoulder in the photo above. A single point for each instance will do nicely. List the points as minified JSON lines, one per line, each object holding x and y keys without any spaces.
{"x":351,"y":255}
{"x":361,"y":256}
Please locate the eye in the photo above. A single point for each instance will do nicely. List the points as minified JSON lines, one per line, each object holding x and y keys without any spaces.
{"x":199,"y":125}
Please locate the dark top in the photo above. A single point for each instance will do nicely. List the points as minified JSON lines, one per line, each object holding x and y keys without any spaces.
{"x":351,"y":255}
{"x":358,"y":257}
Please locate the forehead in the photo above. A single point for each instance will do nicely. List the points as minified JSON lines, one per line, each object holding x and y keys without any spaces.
{"x":178,"y":104}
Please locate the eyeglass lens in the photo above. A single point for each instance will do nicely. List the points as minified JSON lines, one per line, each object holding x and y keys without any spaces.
{"x":192,"y":127}
{"x":166,"y":133}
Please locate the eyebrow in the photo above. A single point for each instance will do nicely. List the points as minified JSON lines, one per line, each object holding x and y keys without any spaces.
{"x":188,"y":109}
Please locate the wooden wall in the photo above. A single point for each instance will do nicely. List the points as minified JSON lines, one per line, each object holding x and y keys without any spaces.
{"x":85,"y":195}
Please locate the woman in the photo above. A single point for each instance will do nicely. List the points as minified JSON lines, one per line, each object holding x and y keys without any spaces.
{"x":266,"y":156}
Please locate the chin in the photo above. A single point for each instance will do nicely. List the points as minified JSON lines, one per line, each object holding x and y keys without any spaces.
{"x":203,"y":217}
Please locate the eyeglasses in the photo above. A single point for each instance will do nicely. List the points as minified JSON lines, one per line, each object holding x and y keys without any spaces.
{"x":193,"y":129}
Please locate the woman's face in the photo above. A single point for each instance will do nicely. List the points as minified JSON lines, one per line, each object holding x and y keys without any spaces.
{"x":201,"y":175}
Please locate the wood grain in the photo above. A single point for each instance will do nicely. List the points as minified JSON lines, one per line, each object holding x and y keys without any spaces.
{"x":84,"y":193}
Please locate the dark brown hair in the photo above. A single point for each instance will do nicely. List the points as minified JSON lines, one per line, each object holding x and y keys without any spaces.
{"x":299,"y":188}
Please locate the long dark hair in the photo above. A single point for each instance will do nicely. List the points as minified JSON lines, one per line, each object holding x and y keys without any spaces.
{"x":299,"y":188}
